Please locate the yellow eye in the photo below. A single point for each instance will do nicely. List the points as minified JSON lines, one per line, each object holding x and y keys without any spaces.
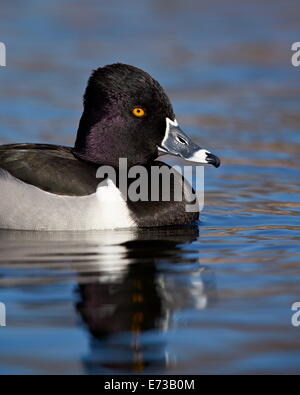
{"x":138,"y":112}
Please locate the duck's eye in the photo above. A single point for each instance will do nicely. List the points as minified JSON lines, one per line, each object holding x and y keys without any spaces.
{"x":138,"y":112}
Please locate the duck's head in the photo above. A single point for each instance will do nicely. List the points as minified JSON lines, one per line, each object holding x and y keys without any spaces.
{"x":127,"y":114}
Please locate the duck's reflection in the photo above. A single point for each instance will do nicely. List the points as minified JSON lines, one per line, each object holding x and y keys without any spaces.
{"x":133,"y":286}
{"x":128,"y":311}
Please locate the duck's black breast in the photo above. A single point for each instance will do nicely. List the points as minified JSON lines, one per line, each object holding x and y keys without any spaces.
{"x":165,"y":212}
{"x":51,"y":168}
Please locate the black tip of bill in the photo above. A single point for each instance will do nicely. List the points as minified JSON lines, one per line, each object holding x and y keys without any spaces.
{"x":213,"y":160}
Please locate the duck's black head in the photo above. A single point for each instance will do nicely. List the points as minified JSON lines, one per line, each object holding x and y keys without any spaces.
{"x":127,"y":114}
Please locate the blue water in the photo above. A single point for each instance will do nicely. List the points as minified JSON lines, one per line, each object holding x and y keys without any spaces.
{"x":214,"y":298}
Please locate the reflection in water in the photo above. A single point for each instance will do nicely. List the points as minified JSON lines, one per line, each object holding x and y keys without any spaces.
{"x":129,"y":286}
{"x":119,"y":308}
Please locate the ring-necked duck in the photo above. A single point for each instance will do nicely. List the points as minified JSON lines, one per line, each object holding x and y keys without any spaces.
{"x":126,"y":114}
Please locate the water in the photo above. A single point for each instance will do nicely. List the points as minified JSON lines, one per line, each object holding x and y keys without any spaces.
{"x":214,"y":298}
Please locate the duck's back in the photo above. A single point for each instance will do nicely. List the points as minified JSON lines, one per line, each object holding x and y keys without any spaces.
{"x":51,"y":168}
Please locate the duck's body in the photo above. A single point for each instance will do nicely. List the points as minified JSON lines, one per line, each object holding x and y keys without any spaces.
{"x":50,"y":187}
{"x":45,"y":187}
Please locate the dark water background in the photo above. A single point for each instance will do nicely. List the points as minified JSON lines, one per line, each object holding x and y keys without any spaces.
{"x":215,"y":298}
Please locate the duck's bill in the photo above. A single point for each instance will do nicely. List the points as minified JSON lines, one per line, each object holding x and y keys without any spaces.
{"x":177,"y":143}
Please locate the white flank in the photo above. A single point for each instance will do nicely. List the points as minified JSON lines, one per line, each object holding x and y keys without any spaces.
{"x":25,"y":207}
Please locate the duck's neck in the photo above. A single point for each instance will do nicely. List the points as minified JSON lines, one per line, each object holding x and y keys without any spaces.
{"x":92,"y":142}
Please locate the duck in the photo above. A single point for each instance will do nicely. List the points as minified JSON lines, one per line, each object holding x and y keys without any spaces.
{"x":126,"y":116}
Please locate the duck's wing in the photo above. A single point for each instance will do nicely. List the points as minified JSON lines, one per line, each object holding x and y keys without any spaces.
{"x":51,"y":168}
